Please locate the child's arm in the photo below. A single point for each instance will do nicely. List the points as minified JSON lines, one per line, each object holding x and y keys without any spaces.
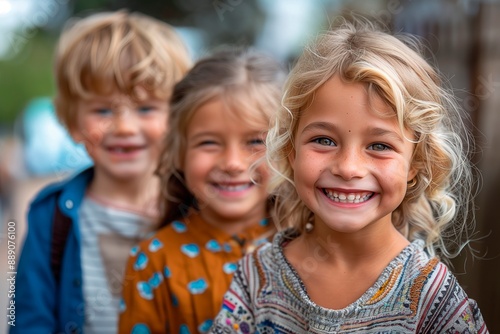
{"x":35,"y":295}
{"x":236,"y":307}
{"x":145,"y":296}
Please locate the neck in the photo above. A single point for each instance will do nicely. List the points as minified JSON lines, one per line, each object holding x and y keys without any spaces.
{"x":137,"y":194}
{"x":236,"y":225}
{"x":360,"y":248}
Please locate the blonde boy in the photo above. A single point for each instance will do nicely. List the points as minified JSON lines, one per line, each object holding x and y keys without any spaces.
{"x":114,"y":75}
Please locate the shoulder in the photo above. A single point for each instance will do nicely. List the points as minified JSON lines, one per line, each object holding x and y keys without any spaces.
{"x":443,"y":304}
{"x":74,"y":184}
{"x":265,"y":259}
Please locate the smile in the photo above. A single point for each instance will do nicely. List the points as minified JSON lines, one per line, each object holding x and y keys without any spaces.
{"x":124,"y":149}
{"x":233,"y":188}
{"x":348,"y":197}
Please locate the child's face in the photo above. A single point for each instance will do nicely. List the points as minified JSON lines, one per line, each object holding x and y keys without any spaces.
{"x":220,"y":149}
{"x":122,"y":136}
{"x":351,"y":166}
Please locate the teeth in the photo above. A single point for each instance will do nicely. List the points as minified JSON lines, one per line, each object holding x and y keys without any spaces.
{"x":233,"y":188}
{"x":123,"y":149}
{"x":347,"y":198}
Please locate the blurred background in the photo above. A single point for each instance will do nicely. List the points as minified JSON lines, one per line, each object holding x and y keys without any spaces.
{"x":462,"y":36}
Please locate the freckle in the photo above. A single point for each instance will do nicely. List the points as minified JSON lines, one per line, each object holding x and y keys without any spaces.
{"x":349,"y":130}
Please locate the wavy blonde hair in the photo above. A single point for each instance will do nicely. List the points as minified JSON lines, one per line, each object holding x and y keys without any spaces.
{"x":119,"y":51}
{"x":248,"y":81}
{"x":437,"y":208}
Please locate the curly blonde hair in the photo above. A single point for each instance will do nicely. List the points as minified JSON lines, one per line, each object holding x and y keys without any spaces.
{"x":119,"y":51}
{"x":437,"y":208}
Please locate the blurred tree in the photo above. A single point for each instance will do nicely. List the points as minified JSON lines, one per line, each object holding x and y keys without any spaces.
{"x":27,"y":75}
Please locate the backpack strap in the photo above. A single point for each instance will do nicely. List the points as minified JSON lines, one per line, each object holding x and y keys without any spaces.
{"x":60,"y":230}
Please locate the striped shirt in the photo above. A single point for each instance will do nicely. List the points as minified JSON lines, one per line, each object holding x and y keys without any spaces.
{"x":107,"y":235}
{"x":414,"y":294}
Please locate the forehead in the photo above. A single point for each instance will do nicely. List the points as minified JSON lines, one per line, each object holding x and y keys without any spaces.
{"x":349,"y":108}
{"x":336,"y":96}
{"x":116,"y":98}
{"x":227,"y":114}
{"x":337,"y":92}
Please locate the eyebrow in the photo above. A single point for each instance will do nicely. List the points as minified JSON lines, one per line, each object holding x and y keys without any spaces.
{"x":320,"y":126}
{"x":385,"y":132}
{"x":203,"y":134}
{"x":376,"y":131}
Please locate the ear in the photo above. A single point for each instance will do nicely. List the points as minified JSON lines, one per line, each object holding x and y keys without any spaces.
{"x":76,"y":134}
{"x":412,"y":173}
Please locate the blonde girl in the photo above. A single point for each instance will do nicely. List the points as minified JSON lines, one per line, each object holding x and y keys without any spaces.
{"x":215,"y":199}
{"x":371,"y":153}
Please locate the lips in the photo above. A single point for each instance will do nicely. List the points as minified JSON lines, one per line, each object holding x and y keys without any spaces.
{"x":233,"y":187}
{"x":124,"y":148}
{"x":347,"y":197}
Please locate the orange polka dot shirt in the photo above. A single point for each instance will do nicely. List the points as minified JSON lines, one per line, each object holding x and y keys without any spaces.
{"x":175,"y":281}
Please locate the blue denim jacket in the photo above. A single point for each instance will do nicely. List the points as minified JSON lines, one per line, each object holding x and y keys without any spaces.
{"x":40,"y":305}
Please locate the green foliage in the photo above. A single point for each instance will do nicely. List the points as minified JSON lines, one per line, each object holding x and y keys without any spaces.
{"x":27,"y":75}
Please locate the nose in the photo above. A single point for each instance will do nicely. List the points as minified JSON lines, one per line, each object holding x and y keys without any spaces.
{"x":234,"y":159}
{"x":125,"y":123}
{"x":349,"y":163}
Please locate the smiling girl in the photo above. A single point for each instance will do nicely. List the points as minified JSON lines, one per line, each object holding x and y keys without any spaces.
{"x":216,"y":203}
{"x":368,"y":152}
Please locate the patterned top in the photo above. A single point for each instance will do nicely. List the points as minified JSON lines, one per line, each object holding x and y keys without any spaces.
{"x":175,"y":281}
{"x":414,"y":294}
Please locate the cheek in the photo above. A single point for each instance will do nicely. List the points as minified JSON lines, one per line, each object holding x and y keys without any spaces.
{"x":394,"y":174}
{"x":91,"y":131}
{"x":195,"y":170}
{"x":262,"y":174}
{"x":157,"y":130}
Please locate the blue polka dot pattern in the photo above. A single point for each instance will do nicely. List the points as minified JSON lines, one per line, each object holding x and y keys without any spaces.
{"x":140,"y":329}
{"x":167,"y":272}
{"x":155,"y":280}
{"x":264,"y":222}
{"x":191,"y":250}
{"x":213,"y":246}
{"x":197,"y":287}
{"x":145,"y":290}
{"x":227,"y":248}
{"x":141,"y":261}
{"x":260,"y":242}
{"x":155,"y":245}
{"x":122,"y":306}
{"x":134,"y":250}
{"x":179,"y":227}
{"x":229,"y":267}
{"x":184,"y":330}
{"x":175,"y":300}
{"x":205,"y":326}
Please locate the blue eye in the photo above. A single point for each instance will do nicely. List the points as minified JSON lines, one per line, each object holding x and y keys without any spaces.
{"x":256,"y":141}
{"x":324,"y":141}
{"x":103,"y":111}
{"x":379,"y":147}
{"x":207,"y":142}
{"x":145,"y":109}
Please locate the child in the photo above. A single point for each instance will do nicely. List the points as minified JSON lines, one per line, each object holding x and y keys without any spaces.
{"x":215,"y":194}
{"x":371,"y":144}
{"x":114,"y":75}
